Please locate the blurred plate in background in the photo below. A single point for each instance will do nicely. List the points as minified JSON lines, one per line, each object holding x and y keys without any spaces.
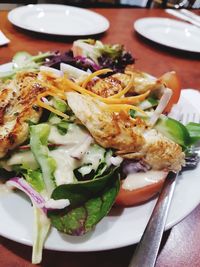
{"x":58,"y":20}
{"x":169,"y":32}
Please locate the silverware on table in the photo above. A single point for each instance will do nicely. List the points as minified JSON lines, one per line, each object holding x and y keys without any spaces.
{"x":147,"y":250}
{"x":190,"y":14}
{"x":185,"y":15}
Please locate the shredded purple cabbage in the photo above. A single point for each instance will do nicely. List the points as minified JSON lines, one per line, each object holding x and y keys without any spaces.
{"x":83,"y":63}
{"x":118,"y":64}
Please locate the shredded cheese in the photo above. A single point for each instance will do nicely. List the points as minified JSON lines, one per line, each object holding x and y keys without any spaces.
{"x":119,"y":107}
{"x":94,"y":74}
{"x":77,"y":88}
{"x":48,"y":107}
{"x":114,"y":103}
{"x":46,"y":93}
{"x":126,"y":100}
{"x":51,"y":87}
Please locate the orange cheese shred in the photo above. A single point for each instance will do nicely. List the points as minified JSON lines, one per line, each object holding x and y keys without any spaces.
{"x":114,"y":103}
{"x":94,"y":74}
{"x":127,"y":100}
{"x":48,"y":107}
{"x":119,"y":107}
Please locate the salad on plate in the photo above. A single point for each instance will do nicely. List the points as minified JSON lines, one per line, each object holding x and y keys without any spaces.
{"x":84,"y":130}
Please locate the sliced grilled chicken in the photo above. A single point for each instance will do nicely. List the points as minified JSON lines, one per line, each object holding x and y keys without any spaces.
{"x":142,"y":82}
{"x":18,"y":105}
{"x":132,"y":138}
{"x":113,"y":84}
{"x":105,"y":87}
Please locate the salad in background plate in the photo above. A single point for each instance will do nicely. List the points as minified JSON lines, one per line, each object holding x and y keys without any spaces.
{"x":85,"y":130}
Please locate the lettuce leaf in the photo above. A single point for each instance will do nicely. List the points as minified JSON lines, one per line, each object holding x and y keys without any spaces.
{"x":34,"y":178}
{"x":41,"y":229}
{"x":90,"y":201}
{"x":38,"y":142}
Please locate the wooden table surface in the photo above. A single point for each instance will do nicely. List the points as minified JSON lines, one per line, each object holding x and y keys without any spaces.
{"x":181,"y":246}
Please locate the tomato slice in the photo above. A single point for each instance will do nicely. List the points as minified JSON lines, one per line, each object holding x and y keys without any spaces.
{"x":138,"y":195}
{"x":172,"y":81}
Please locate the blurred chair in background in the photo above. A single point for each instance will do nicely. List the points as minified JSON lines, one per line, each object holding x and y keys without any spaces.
{"x":128,"y":3}
{"x":18,"y":2}
{"x":114,"y":3}
{"x":163,"y":3}
{"x":10,"y":4}
{"x":174,"y":3}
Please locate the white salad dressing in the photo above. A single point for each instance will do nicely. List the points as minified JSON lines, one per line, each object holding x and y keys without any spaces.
{"x":63,"y":155}
{"x":142,"y":179}
{"x":80,"y":150}
{"x":75,"y":135}
{"x":65,"y":165}
{"x":76,"y":150}
{"x":93,"y":157}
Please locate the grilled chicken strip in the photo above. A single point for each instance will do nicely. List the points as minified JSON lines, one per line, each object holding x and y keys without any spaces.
{"x":132,"y":138}
{"x":113,"y":84}
{"x":18,"y":105}
{"x":106,"y":87}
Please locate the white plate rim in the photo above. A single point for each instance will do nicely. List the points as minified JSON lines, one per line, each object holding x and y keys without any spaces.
{"x":138,"y":24}
{"x":99,"y":246}
{"x":102,"y":27}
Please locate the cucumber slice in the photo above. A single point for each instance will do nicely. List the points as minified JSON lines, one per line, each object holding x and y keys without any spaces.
{"x":194,"y":132}
{"x":21,"y":58}
{"x":174,"y":130}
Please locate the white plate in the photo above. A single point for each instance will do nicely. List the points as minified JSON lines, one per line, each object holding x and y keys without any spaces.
{"x":58,"y":19}
{"x":120,"y":228}
{"x":171,"y":33}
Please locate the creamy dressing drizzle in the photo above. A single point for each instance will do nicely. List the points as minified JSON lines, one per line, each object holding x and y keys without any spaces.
{"x":72,"y":142}
{"x":74,"y":135}
{"x":66,"y":163}
{"x":142,"y":179}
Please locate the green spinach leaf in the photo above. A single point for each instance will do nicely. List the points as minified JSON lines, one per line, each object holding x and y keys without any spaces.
{"x":90,"y":201}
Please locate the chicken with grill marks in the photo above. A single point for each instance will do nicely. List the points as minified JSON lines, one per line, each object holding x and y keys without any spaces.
{"x":131,"y":138}
{"x":18,"y":105}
